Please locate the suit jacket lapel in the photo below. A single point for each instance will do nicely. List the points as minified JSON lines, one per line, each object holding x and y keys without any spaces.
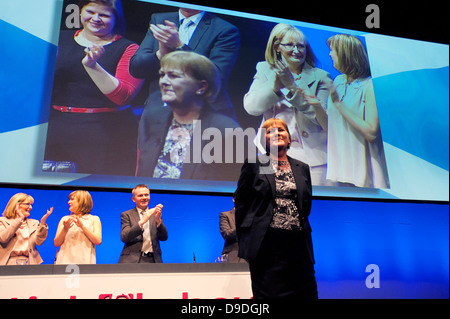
{"x":231,"y":214}
{"x":308,"y":76}
{"x":299,"y":181}
{"x":269,"y":173}
{"x":202,"y":27}
{"x":171,"y":16}
{"x":273,"y":186}
{"x":32,"y":225}
{"x":135,"y":216}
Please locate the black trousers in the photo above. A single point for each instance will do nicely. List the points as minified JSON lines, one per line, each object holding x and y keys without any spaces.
{"x":283,"y":269}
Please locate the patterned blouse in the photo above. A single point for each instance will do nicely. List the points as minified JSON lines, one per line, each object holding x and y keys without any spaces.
{"x":176,"y":146}
{"x":285,"y":213}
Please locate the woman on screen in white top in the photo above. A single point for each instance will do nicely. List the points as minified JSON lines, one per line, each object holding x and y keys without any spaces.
{"x":355,"y":147}
{"x":78,"y":233}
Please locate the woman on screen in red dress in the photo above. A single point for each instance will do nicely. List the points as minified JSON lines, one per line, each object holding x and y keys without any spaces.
{"x":19,"y":234}
{"x":78,"y":233}
{"x":92,"y":128}
{"x":355,"y":147}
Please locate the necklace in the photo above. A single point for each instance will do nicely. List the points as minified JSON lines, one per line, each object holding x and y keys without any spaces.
{"x":281,"y":165}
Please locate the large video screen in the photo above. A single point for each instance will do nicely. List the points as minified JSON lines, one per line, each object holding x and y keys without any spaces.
{"x":173,"y":95}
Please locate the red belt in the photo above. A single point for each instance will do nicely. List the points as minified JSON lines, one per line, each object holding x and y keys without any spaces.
{"x":70,"y":109}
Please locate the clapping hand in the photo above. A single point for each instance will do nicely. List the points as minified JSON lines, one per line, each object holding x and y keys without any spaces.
{"x":158,"y":214}
{"x":68,"y":223}
{"x":284,"y":76}
{"x":167,"y":36}
{"x":19,"y":213}
{"x":157,"y":211}
{"x":44,"y":218}
{"x":92,"y":55}
{"x":77,"y":220}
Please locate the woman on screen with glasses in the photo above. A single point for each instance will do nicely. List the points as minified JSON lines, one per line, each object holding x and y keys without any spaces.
{"x":171,"y":139}
{"x":20,"y":234}
{"x":289,"y":86}
{"x":355,"y":147}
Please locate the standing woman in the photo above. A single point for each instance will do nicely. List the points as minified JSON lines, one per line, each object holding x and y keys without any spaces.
{"x":19,"y":234}
{"x":273,"y":202}
{"x":355,"y":147}
{"x":78,"y":233}
{"x":91,"y":120}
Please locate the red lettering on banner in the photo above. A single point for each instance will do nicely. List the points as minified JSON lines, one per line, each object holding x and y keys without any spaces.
{"x":139,"y":295}
{"x":122,"y":296}
{"x":185,"y":295}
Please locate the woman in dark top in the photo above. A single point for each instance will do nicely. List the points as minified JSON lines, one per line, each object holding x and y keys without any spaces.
{"x":91,"y":125}
{"x":273,"y":202}
{"x":174,"y":140}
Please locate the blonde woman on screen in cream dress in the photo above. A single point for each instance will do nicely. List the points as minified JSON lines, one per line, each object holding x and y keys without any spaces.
{"x":355,"y":146}
{"x":78,"y":233}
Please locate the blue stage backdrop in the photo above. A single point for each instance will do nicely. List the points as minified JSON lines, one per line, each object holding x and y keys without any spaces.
{"x":409,"y":242}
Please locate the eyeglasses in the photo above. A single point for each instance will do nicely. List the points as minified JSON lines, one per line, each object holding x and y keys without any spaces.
{"x":26,"y":204}
{"x":291,"y":46}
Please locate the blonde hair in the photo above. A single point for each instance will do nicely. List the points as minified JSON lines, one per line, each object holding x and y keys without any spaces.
{"x":84,"y":201}
{"x":10,"y":209}
{"x":277,"y":34}
{"x":198,"y":67}
{"x":351,"y":54}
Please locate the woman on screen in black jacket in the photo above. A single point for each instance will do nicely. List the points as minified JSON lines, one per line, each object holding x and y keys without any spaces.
{"x":173,"y":138}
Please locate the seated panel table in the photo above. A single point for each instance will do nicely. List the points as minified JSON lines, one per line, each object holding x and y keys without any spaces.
{"x":130,"y":281}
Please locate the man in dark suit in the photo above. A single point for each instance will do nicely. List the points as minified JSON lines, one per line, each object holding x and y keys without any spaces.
{"x":227,"y":224}
{"x":208,"y":35}
{"x":142,"y":229}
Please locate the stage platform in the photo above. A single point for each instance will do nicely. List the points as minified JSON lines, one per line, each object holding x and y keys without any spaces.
{"x":130,"y":281}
